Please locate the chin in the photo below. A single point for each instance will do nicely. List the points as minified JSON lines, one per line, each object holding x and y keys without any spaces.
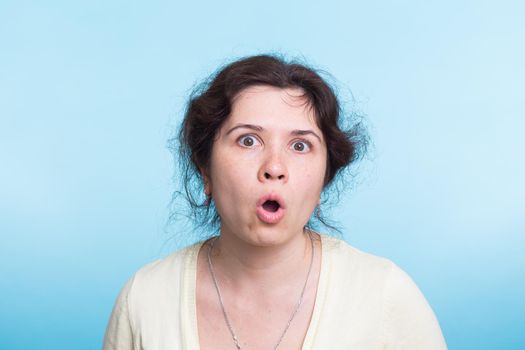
{"x":268,"y":236}
{"x":259,"y":234}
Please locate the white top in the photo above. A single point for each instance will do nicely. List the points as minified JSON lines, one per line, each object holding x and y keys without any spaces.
{"x":362,"y":302}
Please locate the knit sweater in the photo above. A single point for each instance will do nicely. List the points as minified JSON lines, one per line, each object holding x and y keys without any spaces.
{"x":362,"y":302}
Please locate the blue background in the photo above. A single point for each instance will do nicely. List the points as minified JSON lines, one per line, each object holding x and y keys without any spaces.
{"x":91,"y":90}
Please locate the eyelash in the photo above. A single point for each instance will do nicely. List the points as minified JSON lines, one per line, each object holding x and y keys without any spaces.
{"x":304,"y":141}
{"x":239,"y":140}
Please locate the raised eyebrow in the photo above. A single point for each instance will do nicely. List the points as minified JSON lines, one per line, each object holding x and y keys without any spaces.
{"x":306,"y":132}
{"x":247,"y":126}
{"x":260,"y":129}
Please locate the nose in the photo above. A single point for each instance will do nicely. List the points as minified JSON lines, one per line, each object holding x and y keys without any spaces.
{"x":273,"y":168}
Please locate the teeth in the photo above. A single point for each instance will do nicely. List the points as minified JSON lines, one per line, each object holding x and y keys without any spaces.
{"x":272,"y":206}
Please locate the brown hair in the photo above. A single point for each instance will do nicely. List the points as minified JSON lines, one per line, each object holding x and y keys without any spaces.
{"x":210,"y":105}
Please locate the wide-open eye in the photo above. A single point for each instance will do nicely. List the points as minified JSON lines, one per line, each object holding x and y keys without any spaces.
{"x":248,"y":141}
{"x":301,"y":146}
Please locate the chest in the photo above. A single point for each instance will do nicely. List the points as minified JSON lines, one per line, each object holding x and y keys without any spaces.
{"x":279,"y":320}
{"x":256,"y":325}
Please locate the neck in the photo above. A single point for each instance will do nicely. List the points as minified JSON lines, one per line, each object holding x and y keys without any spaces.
{"x":247,"y":266}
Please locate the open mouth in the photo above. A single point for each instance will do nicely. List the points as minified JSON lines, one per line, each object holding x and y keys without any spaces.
{"x":271,"y":206}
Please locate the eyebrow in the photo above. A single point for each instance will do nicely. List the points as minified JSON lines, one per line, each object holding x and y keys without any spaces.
{"x":260,"y":129}
{"x":247,"y":126}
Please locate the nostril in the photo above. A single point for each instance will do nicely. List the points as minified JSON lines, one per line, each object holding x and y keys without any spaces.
{"x":268,"y":176}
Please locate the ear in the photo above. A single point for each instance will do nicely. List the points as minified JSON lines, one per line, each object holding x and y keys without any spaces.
{"x":207,"y":186}
{"x":206,"y":182}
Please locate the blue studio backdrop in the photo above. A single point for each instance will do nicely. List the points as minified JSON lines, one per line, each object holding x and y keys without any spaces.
{"x":90,"y":92}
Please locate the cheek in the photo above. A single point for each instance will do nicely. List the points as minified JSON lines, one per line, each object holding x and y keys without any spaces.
{"x":313,"y":181}
{"x":231,"y":193}
{"x":230,"y":179}
{"x":312,"y":172}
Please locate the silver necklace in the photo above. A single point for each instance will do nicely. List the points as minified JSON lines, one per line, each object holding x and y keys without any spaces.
{"x":234,"y":336}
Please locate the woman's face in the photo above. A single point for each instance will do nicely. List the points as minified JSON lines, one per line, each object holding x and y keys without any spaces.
{"x":267,"y":166}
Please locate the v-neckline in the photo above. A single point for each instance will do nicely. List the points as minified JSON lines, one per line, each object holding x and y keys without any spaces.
{"x":188,"y":307}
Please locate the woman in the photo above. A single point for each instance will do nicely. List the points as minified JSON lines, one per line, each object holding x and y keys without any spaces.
{"x":264,"y":140}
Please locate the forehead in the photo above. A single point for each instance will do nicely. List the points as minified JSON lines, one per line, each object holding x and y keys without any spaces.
{"x":267,"y":105}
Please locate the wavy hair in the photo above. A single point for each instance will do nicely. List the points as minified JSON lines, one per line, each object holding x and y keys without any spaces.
{"x":210,"y":104}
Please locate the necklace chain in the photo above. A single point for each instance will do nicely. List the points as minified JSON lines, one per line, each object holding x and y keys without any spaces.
{"x":226,"y":318}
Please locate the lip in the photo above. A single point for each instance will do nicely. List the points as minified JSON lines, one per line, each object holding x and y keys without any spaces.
{"x":267,"y":216}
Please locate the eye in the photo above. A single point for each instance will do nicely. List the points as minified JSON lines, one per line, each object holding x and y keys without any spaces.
{"x":301,"y":146}
{"x":248,"y":141}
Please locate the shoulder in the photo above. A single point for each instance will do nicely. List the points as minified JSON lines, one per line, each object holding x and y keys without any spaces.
{"x":161,"y":279}
{"x":167,"y":265}
{"x":347,"y":259}
{"x":381,"y":294}
{"x":365,"y":269}
{"x":151,"y":300}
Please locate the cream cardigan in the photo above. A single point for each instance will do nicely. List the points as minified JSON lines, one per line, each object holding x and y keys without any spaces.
{"x":362,"y":302}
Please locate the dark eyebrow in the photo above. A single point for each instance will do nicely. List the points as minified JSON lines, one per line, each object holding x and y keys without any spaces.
{"x":260,"y":128}
{"x":306,"y":132}
{"x":248,"y":126}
